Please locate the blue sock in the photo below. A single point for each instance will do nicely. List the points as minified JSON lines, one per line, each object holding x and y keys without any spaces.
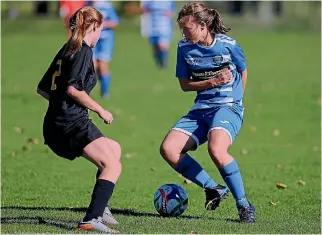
{"x":159,"y":58}
{"x":156,"y":56}
{"x":105,"y":84}
{"x":192,"y":170}
{"x":234,"y":181}
{"x":163,"y":58}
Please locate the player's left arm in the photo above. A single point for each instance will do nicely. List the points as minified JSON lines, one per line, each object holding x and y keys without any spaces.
{"x":113,"y":21}
{"x":239,"y":60}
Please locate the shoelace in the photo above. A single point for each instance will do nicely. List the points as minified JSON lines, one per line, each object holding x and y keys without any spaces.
{"x":98,"y":219}
{"x":245,"y":213}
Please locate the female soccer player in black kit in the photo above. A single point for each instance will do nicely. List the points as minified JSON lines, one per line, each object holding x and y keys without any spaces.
{"x":67,"y":129}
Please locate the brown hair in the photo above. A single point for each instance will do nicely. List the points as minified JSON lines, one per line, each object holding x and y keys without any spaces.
{"x":203,"y":14}
{"x":79,"y":23}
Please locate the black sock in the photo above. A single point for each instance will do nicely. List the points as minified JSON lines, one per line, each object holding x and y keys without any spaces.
{"x":97,"y":175}
{"x":102,"y":193}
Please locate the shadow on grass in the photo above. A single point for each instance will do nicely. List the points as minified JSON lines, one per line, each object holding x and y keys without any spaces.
{"x":37,"y":220}
{"x":126,"y":212}
{"x":70,"y":225}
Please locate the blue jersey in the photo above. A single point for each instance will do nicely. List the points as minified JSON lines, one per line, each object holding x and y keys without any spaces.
{"x":202,"y":62}
{"x":109,"y":13}
{"x":156,"y":21}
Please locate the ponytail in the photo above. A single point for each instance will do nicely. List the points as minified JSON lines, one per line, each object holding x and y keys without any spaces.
{"x":76,"y":25}
{"x":79,"y":23}
{"x":217,"y":26}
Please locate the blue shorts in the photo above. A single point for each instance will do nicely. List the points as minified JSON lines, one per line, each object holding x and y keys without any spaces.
{"x":103,"y":50}
{"x":160,"y":40}
{"x":199,"y":123}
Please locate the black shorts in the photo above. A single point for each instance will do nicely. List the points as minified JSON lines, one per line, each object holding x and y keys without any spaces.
{"x":70,"y":145}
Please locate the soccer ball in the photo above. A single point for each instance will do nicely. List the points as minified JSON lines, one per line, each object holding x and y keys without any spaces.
{"x":170,"y":200}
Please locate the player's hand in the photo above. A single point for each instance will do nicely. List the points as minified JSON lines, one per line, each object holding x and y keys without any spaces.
{"x":221,"y":79}
{"x":106,"y":116}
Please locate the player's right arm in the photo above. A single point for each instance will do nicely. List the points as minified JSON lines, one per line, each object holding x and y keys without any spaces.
{"x":81,"y":97}
{"x":183,"y":73}
{"x":75,"y":87}
{"x":85,"y":100}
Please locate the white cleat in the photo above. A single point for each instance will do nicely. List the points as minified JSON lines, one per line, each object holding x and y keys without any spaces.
{"x":108,"y":217}
{"x":96,"y":225}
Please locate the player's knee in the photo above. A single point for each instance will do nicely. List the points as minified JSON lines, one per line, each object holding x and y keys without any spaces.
{"x":118,"y":166}
{"x":117,"y":149}
{"x":103,"y":67}
{"x":162,"y":47}
{"x":167,"y":149}
{"x":111,"y":164}
{"x":217,"y":152}
{"x":163,"y":150}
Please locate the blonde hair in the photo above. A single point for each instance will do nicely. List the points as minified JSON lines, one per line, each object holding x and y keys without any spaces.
{"x":79,"y":23}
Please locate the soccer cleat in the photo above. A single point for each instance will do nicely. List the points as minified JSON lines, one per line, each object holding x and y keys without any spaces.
{"x":247,"y":214}
{"x":96,"y":225}
{"x":108,"y":217}
{"x":215,"y":196}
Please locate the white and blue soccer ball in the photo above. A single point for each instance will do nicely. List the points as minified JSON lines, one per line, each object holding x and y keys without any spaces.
{"x":170,"y":200}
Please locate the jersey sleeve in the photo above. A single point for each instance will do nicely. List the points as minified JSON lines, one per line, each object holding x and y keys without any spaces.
{"x":238,"y":57}
{"x":46,"y":80}
{"x":79,"y":67}
{"x":44,"y":84}
{"x":182,"y":69}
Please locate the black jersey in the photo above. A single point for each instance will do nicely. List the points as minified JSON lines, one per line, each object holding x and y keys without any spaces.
{"x":78,"y":71}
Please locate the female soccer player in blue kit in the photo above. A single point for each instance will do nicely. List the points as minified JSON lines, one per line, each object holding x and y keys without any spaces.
{"x":156,"y":23}
{"x":212,"y":64}
{"x":103,"y":51}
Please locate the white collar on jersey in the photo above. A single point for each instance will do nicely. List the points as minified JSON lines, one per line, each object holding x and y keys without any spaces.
{"x":212,"y":44}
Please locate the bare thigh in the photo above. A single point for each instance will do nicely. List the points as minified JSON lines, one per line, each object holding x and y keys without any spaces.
{"x":175,"y":145}
{"x":218,"y":145}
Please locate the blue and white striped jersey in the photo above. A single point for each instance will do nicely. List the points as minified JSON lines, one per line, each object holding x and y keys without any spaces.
{"x":202,"y":62}
{"x":156,"y":21}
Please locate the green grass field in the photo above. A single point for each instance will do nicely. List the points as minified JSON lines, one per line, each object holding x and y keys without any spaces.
{"x":42,"y":193}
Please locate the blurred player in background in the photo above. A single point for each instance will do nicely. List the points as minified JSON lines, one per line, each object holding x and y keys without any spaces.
{"x":67,"y":9}
{"x":67,"y":129}
{"x":157,"y":26}
{"x":212,"y":64}
{"x":105,"y":46}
